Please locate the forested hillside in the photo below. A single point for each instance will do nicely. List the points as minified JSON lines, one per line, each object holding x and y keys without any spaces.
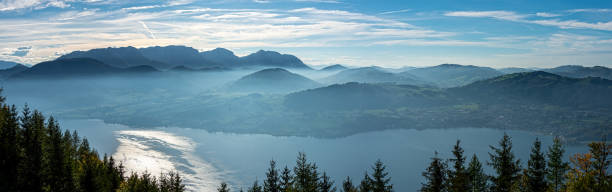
{"x":35,"y":155}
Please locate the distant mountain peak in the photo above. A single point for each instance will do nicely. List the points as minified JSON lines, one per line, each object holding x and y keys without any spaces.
{"x":335,"y":67}
{"x":272,"y":59}
{"x":273,"y":80}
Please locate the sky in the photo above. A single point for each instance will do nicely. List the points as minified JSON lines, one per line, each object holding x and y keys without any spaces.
{"x":494,"y":33}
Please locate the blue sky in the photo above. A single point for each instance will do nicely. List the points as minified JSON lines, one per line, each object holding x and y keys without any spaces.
{"x":495,"y":33}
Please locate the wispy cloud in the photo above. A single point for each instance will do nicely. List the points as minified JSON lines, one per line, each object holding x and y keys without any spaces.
{"x":10,"y":5}
{"x":396,"y":11}
{"x":590,"y":10}
{"x":544,"y":14}
{"x":524,"y":18}
{"x":504,"y":15}
{"x":319,"y":1}
{"x":147,"y":29}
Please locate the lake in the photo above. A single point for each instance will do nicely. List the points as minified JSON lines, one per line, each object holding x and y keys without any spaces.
{"x":204,"y":159}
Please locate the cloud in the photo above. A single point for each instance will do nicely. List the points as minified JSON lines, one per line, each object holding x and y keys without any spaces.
{"x":10,"y":5}
{"x":523,"y":18}
{"x":146,"y":28}
{"x":319,"y":1}
{"x":142,"y":7}
{"x":543,"y":14}
{"x":589,"y":10}
{"x":261,"y":1}
{"x":397,"y":11}
{"x":203,"y":28}
{"x":503,"y":15}
{"x":21,"y":51}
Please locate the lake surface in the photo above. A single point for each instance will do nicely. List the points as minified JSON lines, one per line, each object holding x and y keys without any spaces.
{"x":204,"y":159}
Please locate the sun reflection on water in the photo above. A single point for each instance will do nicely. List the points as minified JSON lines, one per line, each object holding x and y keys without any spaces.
{"x":158,"y":152}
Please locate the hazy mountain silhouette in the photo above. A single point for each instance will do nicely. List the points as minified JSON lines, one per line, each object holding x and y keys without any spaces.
{"x":370,"y":75}
{"x":336,"y":67}
{"x":360,"y":96}
{"x":272,"y":59}
{"x":121,"y":57}
{"x":177,"y":56}
{"x":8,"y":64}
{"x":221,"y":56}
{"x":452,"y":75}
{"x":541,"y":87}
{"x":76,"y":67}
{"x":272,"y":80}
{"x":171,"y":56}
{"x":5,"y":73}
{"x":510,"y":70}
{"x":578,"y":71}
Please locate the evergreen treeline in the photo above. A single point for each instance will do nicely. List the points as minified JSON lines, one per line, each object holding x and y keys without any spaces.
{"x":306,"y":177}
{"x":545,"y":171}
{"x":36,"y":156}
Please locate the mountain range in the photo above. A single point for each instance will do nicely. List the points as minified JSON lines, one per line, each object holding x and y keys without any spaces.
{"x":182,"y":58}
{"x":75,"y":67}
{"x":370,"y":75}
{"x":577,"y":108}
{"x":171,"y":56}
{"x":452,"y":75}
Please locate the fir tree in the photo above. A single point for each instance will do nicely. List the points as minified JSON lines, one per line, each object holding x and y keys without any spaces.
{"x":380,"y":182}
{"x":255,"y":187}
{"x":556,"y":166}
{"x":31,"y":169}
{"x":435,"y":175}
{"x":347,"y":185}
{"x":366,"y":183}
{"x":306,"y":176}
{"x":536,"y":169}
{"x":507,"y":169}
{"x":271,"y":184}
{"x":223,"y":187}
{"x":458,"y":178}
{"x":286,"y":180}
{"x":10,"y":150}
{"x":477,"y":179}
{"x":57,"y":175}
{"x":326,"y":184}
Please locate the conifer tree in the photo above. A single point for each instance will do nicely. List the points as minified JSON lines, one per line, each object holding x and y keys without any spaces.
{"x":435,"y":175}
{"x":380,"y":182}
{"x":271,"y":184}
{"x":255,"y":187}
{"x":506,"y":168}
{"x":477,"y":179}
{"x":10,"y":150}
{"x":326,"y":184}
{"x":347,"y":185}
{"x":556,"y":166}
{"x":286,"y":180}
{"x":366,"y":183}
{"x":536,"y":169}
{"x":56,"y":173}
{"x":223,"y":187}
{"x":31,"y":168}
{"x":457,"y":177}
{"x":306,"y":176}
